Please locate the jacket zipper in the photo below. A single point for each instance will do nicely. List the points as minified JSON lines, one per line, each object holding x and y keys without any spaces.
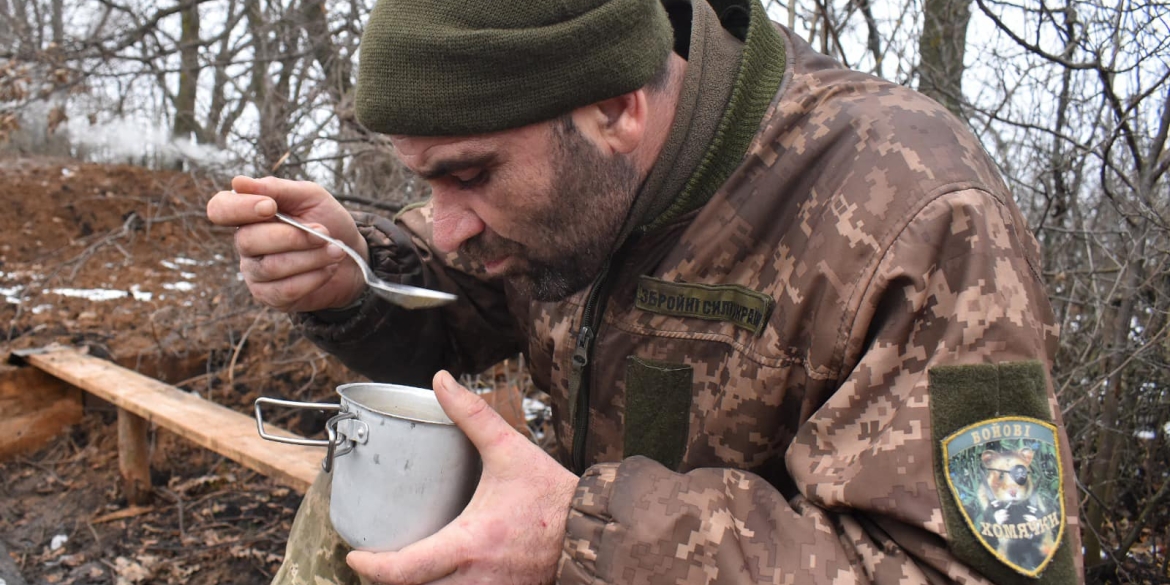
{"x":579,"y":369}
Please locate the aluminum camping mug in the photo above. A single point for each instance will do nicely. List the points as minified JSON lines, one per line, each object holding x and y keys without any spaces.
{"x":401,"y":469}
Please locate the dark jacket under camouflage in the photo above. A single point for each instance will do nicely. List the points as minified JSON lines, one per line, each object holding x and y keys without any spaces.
{"x":889,"y":246}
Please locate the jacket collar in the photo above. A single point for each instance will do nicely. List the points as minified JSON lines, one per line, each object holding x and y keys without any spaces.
{"x":715,"y":120}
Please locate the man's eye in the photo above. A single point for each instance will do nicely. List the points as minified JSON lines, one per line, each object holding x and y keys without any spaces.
{"x":470,"y":180}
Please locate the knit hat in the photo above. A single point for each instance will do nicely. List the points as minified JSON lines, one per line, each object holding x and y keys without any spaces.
{"x":456,"y":68}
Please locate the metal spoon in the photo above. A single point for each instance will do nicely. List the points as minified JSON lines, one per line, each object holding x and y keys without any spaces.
{"x":403,"y":295}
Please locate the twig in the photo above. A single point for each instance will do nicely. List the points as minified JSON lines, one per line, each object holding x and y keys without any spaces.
{"x":236,"y":351}
{"x":47,"y":470}
{"x":369,"y":202}
{"x":178,"y":500}
{"x":96,"y":539}
{"x":111,"y":237}
{"x":1140,"y":522}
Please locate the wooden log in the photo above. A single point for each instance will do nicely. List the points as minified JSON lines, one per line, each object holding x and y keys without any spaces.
{"x":209,"y":425}
{"x":24,"y":433}
{"x":34,"y":408}
{"x":134,"y":456}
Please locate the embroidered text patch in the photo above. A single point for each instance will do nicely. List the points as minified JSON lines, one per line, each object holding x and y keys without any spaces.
{"x":743,"y":307}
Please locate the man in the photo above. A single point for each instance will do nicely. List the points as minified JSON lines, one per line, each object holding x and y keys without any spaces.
{"x":783,"y":309}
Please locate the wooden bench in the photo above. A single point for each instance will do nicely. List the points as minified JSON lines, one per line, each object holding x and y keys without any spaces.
{"x":143,"y":401}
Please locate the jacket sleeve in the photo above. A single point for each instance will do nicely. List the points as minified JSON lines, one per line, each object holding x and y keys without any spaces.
{"x":954,"y":288}
{"x":385,"y":342}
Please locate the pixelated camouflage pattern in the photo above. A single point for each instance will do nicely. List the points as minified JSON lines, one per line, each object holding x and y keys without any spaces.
{"x":315,"y":554}
{"x":890,"y":245}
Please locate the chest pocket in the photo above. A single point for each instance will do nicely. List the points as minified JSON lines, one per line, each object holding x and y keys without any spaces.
{"x":658,"y":409}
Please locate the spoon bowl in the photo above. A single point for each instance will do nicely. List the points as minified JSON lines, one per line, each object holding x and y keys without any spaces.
{"x":403,"y":295}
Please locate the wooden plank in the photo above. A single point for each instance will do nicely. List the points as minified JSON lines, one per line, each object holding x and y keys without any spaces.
{"x":30,"y":431}
{"x":209,"y":425}
{"x":134,"y":456}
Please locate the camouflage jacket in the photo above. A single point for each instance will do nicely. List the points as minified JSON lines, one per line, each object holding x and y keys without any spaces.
{"x":776,"y":373}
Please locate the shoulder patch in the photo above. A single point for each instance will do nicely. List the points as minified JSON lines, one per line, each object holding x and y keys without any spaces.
{"x":735,"y":304}
{"x":1005,"y":473}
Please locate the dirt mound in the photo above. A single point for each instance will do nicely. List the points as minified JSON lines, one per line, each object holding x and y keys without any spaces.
{"x":122,"y":261}
{"x":88,"y":251}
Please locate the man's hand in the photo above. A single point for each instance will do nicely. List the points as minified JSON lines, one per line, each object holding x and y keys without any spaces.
{"x":284,"y":267}
{"x":512,"y":530}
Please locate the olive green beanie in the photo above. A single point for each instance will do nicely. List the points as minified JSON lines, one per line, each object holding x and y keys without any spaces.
{"x":462,"y":67}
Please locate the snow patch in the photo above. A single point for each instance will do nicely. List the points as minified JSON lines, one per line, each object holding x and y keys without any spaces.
{"x":92,"y":294}
{"x":182,"y":286}
{"x":12,"y":294}
{"x":534,"y":409}
{"x":139,"y":294}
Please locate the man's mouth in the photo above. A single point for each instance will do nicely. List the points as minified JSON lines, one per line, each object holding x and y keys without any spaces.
{"x":498,"y":266}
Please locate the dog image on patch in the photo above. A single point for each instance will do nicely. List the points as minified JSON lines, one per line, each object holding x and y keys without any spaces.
{"x":1013,"y":520}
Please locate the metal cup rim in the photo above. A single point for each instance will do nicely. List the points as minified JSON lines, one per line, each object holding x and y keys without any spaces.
{"x":346,"y":390}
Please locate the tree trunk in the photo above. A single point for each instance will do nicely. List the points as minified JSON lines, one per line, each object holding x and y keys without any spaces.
{"x":223,"y":57}
{"x":6,"y":37}
{"x":186,"y":125}
{"x":1101,"y":470}
{"x":21,"y":36}
{"x":338,"y":74}
{"x":873,"y":40}
{"x":57,"y":20}
{"x":941,"y":48}
{"x":35,"y":26}
{"x":271,"y":99}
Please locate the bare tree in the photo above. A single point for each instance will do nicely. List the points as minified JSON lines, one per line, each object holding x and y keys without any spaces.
{"x":57,"y":21}
{"x":6,"y":33}
{"x":941,"y":46}
{"x":189,"y":45}
{"x":1086,"y":126}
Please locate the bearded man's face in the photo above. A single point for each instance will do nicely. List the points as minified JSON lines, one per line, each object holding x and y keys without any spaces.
{"x":539,"y":206}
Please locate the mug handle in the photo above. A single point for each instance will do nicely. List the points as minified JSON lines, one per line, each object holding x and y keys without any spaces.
{"x":292,"y":404}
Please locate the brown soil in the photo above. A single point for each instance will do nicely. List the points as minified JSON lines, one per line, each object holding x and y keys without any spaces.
{"x":134,"y":232}
{"x":139,"y":235}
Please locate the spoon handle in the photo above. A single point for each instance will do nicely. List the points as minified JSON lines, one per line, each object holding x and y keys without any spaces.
{"x":361,"y":262}
{"x":403,"y":295}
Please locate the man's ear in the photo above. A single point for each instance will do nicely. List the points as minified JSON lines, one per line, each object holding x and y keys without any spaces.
{"x":617,"y":124}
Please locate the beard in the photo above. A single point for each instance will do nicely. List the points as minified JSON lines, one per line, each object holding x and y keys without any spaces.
{"x":569,"y":238}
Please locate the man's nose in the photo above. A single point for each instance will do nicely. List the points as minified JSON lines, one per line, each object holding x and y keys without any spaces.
{"x":454,"y":221}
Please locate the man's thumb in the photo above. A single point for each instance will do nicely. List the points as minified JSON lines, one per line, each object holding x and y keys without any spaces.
{"x":483,"y":425}
{"x":290,"y":196}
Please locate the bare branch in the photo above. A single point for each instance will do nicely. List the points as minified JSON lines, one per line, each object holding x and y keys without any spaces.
{"x":1034,"y":49}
